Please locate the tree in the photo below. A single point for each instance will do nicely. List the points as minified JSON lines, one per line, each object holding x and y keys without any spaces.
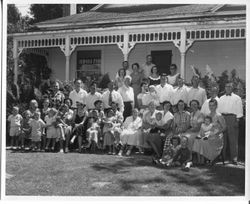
{"x":43,"y":12}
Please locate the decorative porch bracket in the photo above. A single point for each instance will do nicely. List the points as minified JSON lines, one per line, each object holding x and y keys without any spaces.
{"x":183,"y":45}
{"x":126,"y":46}
{"x":67,"y":49}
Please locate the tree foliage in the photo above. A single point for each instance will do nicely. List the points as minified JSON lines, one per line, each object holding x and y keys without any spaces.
{"x":43,"y":12}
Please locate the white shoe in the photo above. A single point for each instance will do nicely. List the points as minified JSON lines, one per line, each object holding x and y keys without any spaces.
{"x":10,"y":147}
{"x":128,"y":152}
{"x":120,"y":153}
{"x":14,"y":148}
{"x":61,"y":150}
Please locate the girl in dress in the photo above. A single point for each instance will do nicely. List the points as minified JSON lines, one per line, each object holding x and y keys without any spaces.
{"x":131,"y":132}
{"x":206,"y":128}
{"x":45,"y":111}
{"x":51,"y":133}
{"x":154,"y":78}
{"x":119,"y":81}
{"x":93,"y":131}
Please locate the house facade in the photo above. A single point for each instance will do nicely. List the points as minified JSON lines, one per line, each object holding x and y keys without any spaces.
{"x":98,"y":41}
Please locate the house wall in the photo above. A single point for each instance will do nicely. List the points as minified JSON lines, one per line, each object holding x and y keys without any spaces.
{"x":219,"y":55}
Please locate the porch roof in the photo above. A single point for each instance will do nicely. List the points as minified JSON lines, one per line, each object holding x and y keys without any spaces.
{"x":109,"y":16}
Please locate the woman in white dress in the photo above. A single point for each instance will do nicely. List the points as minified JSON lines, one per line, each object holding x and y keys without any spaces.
{"x":131,"y":132}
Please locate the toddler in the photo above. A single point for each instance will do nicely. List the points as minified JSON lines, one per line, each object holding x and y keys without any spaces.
{"x":206,"y":128}
{"x":26,"y":129}
{"x":50,"y":120}
{"x":45,"y":111}
{"x":158,"y":122}
{"x":183,"y":156}
{"x":37,"y":126}
{"x":93,"y":130}
{"x":15,"y":120}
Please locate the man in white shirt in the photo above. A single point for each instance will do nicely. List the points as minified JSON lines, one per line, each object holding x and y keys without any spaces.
{"x":78,"y":94}
{"x":92,"y":96}
{"x":164,"y":90}
{"x":214,"y":95}
{"x":230,"y":105}
{"x":180,"y":92}
{"x":127,"y":93}
{"x":146,"y":68}
{"x":196,"y":92}
{"x":112,"y":95}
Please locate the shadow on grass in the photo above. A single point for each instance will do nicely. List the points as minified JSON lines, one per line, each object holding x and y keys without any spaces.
{"x":215,"y":181}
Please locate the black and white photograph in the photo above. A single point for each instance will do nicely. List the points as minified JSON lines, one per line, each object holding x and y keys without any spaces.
{"x":124,"y":99}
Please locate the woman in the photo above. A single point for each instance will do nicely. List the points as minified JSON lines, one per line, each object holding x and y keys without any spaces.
{"x":156,"y":140}
{"x":212,"y":147}
{"x":119,"y":81}
{"x":181,"y":121}
{"x":154,"y":78}
{"x":174,"y":75}
{"x":144,"y":91}
{"x":196,"y":119}
{"x":136,"y":81}
{"x":131,"y":132}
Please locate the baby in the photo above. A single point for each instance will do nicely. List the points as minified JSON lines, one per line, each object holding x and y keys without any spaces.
{"x":158,"y":122}
{"x":206,"y":128}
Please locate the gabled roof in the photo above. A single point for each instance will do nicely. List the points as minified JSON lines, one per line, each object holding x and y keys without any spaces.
{"x":113,"y":14}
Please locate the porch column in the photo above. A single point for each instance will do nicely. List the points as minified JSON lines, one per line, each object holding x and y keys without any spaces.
{"x":67,"y":49}
{"x":183,"y":44}
{"x":126,"y":46}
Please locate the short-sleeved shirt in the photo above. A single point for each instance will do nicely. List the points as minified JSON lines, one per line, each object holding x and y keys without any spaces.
{"x":91,"y":98}
{"x":77,"y":96}
{"x":15,"y":120}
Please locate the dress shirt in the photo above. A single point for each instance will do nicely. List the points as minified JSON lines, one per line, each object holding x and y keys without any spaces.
{"x":77,"y":96}
{"x":172,"y":79}
{"x":91,"y":98}
{"x":205,"y":107}
{"x":164,"y":93}
{"x":127,"y":93}
{"x":231,"y":104}
{"x":180,"y":93}
{"x":198,"y":94}
{"x":116,"y":97}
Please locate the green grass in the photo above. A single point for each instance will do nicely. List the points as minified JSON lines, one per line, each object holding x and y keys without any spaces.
{"x":74,"y":174}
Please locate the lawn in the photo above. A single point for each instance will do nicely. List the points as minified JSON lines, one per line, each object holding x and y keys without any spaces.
{"x":75,"y":174}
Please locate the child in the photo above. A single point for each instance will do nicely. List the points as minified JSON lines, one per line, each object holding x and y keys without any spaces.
{"x":26,"y":129}
{"x":183,"y":156}
{"x":170,"y":151}
{"x":37,"y":126}
{"x":50,"y":120}
{"x":93,"y":130}
{"x":206,"y":128}
{"x":45,"y":111}
{"x":159,"y":123}
{"x":15,"y":120}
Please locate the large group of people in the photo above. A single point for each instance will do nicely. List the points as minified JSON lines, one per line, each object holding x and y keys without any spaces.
{"x":141,"y":109}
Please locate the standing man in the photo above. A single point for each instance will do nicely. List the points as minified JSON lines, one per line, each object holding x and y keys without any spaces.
{"x":92,"y":96}
{"x":112,"y":95}
{"x":57,"y":96}
{"x":214,"y":95}
{"x":146,"y":68}
{"x":164,"y":90}
{"x":127,"y":93}
{"x":78,"y":94}
{"x":230,"y":105}
{"x":196,"y":92}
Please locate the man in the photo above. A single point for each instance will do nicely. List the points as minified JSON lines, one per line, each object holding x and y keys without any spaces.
{"x":146,"y":68}
{"x":127,"y":93}
{"x":78,"y":94}
{"x":180,"y":92}
{"x":214,"y":95}
{"x":164,"y":90}
{"x":196,"y":92}
{"x":230,"y":105}
{"x":92,"y":96}
{"x":125,"y":65}
{"x":110,"y":96}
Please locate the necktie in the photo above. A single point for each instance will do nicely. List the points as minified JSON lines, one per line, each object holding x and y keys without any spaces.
{"x":110,"y":98}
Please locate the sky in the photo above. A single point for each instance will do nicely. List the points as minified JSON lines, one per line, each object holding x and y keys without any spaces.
{"x":23,"y":8}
